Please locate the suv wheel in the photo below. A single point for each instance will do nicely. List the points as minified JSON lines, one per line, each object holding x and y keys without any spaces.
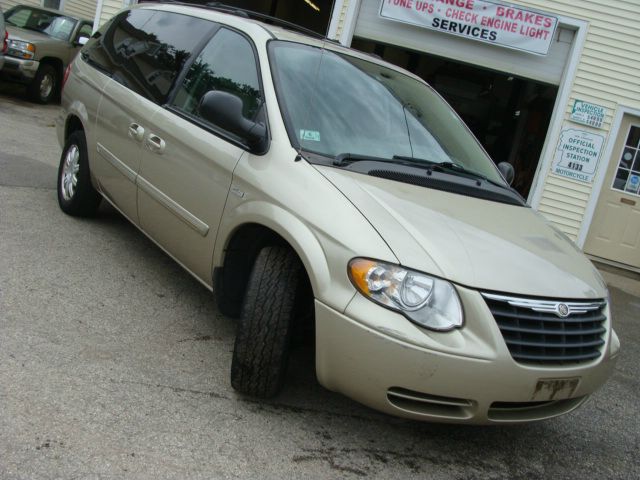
{"x":44,"y":85}
{"x":262,"y":342}
{"x":76,"y":195}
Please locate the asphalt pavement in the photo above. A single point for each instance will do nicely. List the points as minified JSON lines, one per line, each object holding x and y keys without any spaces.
{"x":114,"y":364}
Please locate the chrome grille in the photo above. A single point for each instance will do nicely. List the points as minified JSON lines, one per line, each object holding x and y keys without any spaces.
{"x":549,"y":332}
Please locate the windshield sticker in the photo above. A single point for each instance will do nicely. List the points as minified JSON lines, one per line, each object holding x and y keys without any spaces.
{"x":312,"y":135}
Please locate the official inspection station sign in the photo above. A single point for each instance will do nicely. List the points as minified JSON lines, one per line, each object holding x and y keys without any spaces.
{"x":482,"y":20}
{"x":577,"y":154}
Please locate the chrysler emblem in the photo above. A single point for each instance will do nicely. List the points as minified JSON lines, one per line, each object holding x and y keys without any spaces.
{"x":562,"y":310}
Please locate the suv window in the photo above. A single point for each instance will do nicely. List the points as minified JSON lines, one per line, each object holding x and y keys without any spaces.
{"x":145,"y":50}
{"x":52,"y":24}
{"x":227,"y":63}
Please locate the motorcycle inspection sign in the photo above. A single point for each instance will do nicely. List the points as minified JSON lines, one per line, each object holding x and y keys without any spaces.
{"x":577,"y":154}
{"x":482,"y":20}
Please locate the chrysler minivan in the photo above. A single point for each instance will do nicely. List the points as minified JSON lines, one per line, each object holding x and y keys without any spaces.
{"x":306,"y":182}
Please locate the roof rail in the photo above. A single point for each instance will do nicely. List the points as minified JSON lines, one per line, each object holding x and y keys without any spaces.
{"x":242,"y":12}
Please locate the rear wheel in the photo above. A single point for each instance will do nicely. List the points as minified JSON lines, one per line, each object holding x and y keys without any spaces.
{"x":45,"y":84}
{"x":76,"y":195}
{"x":262,"y":342}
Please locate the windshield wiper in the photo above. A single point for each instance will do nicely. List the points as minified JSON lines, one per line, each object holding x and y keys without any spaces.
{"x":442,"y":166}
{"x":343,"y":159}
{"x":451,"y":167}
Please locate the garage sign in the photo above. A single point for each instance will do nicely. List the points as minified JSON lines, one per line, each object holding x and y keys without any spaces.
{"x":482,"y":20}
{"x":577,"y":154}
{"x":588,"y":114}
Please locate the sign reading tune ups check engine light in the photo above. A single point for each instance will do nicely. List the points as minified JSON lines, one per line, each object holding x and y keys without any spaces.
{"x":481,"y":20}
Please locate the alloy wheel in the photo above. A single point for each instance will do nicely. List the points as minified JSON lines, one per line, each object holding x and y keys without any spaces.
{"x":69,"y":177}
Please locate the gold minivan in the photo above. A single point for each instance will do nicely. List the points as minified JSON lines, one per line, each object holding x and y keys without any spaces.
{"x":302,"y":181}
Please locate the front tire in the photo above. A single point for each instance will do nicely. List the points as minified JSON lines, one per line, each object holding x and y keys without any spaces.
{"x":76,"y":195}
{"x":45,"y":84}
{"x":261,"y":349}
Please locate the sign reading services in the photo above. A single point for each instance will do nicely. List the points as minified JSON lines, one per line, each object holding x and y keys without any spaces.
{"x":481,"y":20}
{"x":588,"y":114}
{"x":577,"y":154}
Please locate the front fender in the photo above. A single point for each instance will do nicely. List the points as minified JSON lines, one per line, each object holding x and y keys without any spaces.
{"x":311,"y":246}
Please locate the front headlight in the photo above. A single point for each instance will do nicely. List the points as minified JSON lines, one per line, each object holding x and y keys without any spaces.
{"x":427,"y":301}
{"x":20,"y":49}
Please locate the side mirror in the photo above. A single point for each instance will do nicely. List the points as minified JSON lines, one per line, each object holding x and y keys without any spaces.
{"x":82,"y":41}
{"x":225,"y":110}
{"x":507,"y":171}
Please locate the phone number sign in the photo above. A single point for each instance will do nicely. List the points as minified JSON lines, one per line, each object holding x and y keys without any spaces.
{"x":588,"y":114}
{"x":577,"y":154}
{"x":482,"y":20}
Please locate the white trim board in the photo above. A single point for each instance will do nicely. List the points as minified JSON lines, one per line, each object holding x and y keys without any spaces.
{"x":349,"y":25}
{"x":598,"y":182}
{"x":559,"y":108}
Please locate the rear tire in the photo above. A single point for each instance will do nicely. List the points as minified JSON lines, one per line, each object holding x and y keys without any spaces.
{"x":261,"y":349}
{"x":45,"y":84}
{"x":76,"y":195}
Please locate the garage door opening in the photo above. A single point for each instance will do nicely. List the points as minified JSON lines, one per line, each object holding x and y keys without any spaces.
{"x":509,"y":115}
{"x":311,"y":14}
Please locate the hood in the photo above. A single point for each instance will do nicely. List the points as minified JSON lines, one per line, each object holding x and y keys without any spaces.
{"x":477,"y":243}
{"x":17,"y":33}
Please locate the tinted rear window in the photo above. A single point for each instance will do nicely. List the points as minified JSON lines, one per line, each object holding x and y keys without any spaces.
{"x":145,"y":50}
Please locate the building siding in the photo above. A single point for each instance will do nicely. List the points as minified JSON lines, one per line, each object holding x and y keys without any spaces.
{"x":81,"y":8}
{"x":607,"y":75}
{"x":7,"y":4}
{"x":109,"y":9}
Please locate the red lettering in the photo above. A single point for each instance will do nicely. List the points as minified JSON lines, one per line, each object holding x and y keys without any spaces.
{"x":467,"y":17}
{"x":424,"y":7}
{"x":526,"y":17}
{"x":402,"y":3}
{"x":466,"y":4}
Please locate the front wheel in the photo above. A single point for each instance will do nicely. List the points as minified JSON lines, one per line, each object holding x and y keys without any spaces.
{"x":45,"y":84}
{"x":261,"y":349}
{"x":76,"y":195}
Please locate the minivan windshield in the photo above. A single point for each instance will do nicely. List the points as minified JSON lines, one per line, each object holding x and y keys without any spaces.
{"x":337,"y":104}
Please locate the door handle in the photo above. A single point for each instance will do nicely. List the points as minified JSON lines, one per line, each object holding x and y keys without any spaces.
{"x":136,"y":132}
{"x":155,"y":143}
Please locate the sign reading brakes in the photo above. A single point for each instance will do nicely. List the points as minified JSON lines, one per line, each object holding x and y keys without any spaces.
{"x":481,"y":20}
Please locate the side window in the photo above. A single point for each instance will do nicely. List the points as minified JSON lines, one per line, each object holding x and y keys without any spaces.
{"x":145,"y":50}
{"x":227,"y":63}
{"x":29,"y":18}
{"x":94,"y":53}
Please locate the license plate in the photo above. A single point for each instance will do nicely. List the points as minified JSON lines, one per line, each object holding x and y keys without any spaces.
{"x":555,"y":389}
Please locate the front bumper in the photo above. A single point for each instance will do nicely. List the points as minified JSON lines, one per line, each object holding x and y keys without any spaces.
{"x":380,"y":359}
{"x":19,"y":70}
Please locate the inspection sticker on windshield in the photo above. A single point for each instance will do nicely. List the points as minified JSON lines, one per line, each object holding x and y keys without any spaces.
{"x":555,"y":389}
{"x":312,"y":135}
